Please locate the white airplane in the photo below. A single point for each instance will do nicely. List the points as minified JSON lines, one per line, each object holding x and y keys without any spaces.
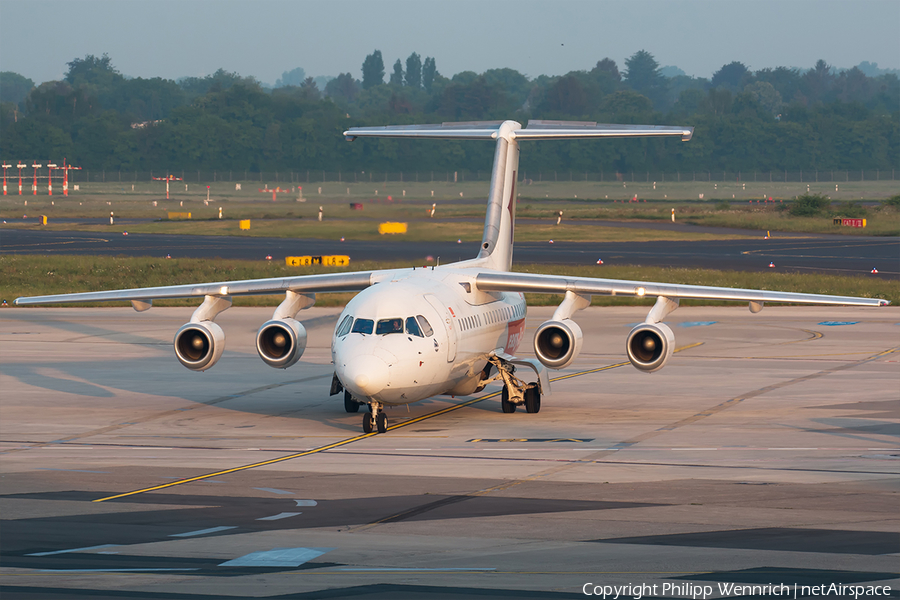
{"x":411,"y":334}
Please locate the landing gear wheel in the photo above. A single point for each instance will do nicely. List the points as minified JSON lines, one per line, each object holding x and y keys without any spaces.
{"x":505,"y":405}
{"x":350,"y":405}
{"x":381,"y":422}
{"x":532,"y":400}
{"x":368,"y":423}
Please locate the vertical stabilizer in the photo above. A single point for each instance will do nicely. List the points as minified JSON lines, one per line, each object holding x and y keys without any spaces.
{"x":499,"y":223}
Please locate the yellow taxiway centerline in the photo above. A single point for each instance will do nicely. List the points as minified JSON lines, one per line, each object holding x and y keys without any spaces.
{"x":357,"y":438}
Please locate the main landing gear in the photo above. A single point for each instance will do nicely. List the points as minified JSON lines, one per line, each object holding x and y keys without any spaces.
{"x":375,"y":419}
{"x":515,"y":391}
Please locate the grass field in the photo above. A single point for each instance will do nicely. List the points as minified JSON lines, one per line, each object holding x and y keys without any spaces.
{"x":39,"y":275}
{"x":426,"y":230}
{"x":577,"y":200}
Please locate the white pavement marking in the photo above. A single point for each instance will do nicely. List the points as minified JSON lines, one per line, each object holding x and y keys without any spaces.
{"x":274,"y":491}
{"x":72,"y":470}
{"x":135,"y":570}
{"x":283,"y":515}
{"x":306,"y":502}
{"x":277,"y":557}
{"x":204,"y":531}
{"x":73,"y":550}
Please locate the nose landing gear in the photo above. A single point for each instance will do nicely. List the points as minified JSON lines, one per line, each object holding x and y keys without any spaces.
{"x":375,"y":419}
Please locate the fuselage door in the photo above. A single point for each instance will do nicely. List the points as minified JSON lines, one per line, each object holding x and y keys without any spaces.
{"x":449,"y":327}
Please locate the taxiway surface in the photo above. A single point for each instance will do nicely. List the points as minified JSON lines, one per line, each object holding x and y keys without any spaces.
{"x":767,"y":454}
{"x":845,"y":255}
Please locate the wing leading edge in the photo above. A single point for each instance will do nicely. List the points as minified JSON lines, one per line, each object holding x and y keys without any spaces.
{"x":327,"y":282}
{"x":554,"y":284}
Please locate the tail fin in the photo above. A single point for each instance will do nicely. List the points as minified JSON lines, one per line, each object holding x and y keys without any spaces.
{"x":499,"y":224}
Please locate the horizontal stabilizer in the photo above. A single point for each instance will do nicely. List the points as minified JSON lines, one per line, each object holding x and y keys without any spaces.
{"x":536,"y":130}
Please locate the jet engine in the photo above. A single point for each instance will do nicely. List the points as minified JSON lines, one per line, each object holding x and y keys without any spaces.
{"x":649,"y":346}
{"x":557,"y":343}
{"x":281,"y":342}
{"x":199,"y":345}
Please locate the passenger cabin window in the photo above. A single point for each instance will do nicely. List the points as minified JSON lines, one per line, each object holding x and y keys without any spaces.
{"x":386,"y":326}
{"x":344,"y":328}
{"x":412,"y":327}
{"x":363,"y":326}
{"x":425,"y":325}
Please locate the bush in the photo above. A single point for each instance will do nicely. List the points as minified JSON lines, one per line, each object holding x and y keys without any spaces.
{"x":809,"y":205}
{"x":893,"y":201}
{"x":723,"y":205}
{"x":851,"y":210}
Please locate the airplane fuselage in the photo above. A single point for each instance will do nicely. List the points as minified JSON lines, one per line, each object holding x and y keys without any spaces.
{"x":421,"y":333}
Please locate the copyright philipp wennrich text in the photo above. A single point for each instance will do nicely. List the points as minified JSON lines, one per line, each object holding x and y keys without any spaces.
{"x":692,"y":590}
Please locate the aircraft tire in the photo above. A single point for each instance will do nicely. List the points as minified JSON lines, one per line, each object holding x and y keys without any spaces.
{"x":381,"y":422}
{"x":368,"y":423}
{"x":350,"y":405}
{"x":532,"y":400}
{"x":505,"y":405}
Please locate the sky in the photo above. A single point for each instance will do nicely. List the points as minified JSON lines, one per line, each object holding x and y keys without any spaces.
{"x":264,"y":38}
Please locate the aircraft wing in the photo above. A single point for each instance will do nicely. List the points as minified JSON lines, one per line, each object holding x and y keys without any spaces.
{"x":327,"y":282}
{"x":556,"y":284}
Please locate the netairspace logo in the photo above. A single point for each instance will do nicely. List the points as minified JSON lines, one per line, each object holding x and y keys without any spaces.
{"x":732,"y":590}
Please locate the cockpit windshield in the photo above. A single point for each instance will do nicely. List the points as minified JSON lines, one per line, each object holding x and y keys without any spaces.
{"x":412,"y":328}
{"x":344,"y":328}
{"x":425,"y":325}
{"x":363,"y":326}
{"x":386,"y":326}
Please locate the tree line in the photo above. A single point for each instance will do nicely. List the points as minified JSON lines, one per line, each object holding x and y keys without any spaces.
{"x":769,"y":119}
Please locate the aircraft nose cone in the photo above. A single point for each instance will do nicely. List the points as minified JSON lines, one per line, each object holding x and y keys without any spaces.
{"x":365,"y":375}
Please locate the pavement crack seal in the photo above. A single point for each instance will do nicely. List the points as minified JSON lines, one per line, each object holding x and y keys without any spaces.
{"x":683,"y":422}
{"x":350,"y":440}
{"x":168,"y":413}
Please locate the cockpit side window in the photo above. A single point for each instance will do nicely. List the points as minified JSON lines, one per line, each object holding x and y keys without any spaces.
{"x":412,"y":327}
{"x":386,"y":326}
{"x":344,"y":328}
{"x":363,"y":326}
{"x":425,"y":325}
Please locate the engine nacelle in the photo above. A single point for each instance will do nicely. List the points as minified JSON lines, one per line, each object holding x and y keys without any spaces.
{"x":557,"y":343}
{"x":281,"y":342}
{"x":199,"y":345}
{"x":649,"y":346}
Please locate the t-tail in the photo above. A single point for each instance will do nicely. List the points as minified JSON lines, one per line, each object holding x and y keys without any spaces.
{"x":496,"y":250}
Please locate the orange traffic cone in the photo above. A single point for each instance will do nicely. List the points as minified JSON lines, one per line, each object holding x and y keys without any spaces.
{"x":771,"y":265}
{"x":599,"y":261}
{"x":874,"y":271}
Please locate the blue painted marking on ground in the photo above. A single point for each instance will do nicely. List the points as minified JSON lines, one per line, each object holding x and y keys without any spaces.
{"x":274,"y":491}
{"x":73,"y":550}
{"x":697,"y":323}
{"x":306,"y":502}
{"x":277,"y":557}
{"x":836,"y":323}
{"x":204,"y":531}
{"x":283,"y":515}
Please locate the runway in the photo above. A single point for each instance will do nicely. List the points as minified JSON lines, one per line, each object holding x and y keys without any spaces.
{"x":832,"y":254}
{"x":765,"y":452}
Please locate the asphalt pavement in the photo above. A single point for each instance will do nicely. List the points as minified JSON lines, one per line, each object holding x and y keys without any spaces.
{"x":832,"y":254}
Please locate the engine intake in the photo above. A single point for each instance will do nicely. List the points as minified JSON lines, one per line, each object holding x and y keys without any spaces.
{"x":557,"y":343}
{"x":649,"y":346}
{"x":281,"y":342}
{"x":199,"y":345}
